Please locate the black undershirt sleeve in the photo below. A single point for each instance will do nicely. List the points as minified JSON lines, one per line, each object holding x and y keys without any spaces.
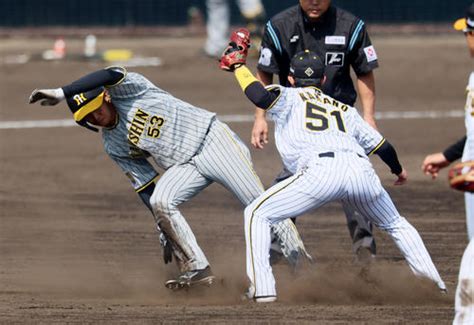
{"x":258,"y":95}
{"x":454,"y":151}
{"x":146,"y":193}
{"x":104,"y":77}
{"x":389,"y":156}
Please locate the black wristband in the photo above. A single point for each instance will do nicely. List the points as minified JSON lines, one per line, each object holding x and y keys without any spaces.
{"x":389,"y":156}
{"x":455,"y":151}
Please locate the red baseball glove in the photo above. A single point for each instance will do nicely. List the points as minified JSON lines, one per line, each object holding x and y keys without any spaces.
{"x":236,"y":52}
{"x":461,"y":176}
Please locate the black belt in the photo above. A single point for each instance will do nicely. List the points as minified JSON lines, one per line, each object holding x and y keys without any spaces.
{"x":328,"y":154}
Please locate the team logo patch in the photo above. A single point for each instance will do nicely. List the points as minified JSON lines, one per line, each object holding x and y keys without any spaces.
{"x":309,"y":72}
{"x":265,"y":57}
{"x":370,"y":53}
{"x":335,"y":59}
{"x":335,"y":40}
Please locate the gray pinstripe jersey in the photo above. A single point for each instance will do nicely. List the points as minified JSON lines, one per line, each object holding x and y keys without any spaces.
{"x":151,"y":122}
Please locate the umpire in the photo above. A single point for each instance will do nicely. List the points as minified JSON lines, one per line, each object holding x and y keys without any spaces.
{"x":342,"y":40}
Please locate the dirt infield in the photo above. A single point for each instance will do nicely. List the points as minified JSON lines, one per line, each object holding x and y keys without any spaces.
{"x":78,"y":246}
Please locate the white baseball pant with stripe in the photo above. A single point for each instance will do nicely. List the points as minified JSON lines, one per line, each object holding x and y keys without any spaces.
{"x":224,"y":159}
{"x":346,"y":177}
{"x":464,"y":304}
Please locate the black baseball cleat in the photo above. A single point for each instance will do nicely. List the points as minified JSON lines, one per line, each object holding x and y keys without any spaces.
{"x":191,"y":278}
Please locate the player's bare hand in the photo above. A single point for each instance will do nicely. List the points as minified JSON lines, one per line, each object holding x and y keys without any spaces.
{"x":402,"y":178}
{"x":47,"y":97}
{"x":433,"y":163}
{"x":259,"y":133}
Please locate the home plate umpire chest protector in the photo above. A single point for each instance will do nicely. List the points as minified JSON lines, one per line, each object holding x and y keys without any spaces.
{"x":339,"y":38}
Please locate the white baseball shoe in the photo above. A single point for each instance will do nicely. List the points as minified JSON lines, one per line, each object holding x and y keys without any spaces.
{"x":192,"y":278}
{"x":250,"y":296}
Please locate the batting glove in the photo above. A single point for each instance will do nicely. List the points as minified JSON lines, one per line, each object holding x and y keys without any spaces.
{"x":47,"y":97}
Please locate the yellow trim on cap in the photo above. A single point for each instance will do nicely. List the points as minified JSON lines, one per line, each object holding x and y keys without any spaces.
{"x":89,"y":107}
{"x":460,"y":24}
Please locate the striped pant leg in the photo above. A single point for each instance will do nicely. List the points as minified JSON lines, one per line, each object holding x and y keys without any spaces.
{"x":469,"y":201}
{"x":226,"y":160}
{"x":177,"y":185}
{"x":464,"y":300}
{"x":370,"y":199}
{"x":289,"y":198}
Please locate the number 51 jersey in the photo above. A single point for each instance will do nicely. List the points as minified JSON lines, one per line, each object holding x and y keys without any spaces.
{"x":308,"y":122}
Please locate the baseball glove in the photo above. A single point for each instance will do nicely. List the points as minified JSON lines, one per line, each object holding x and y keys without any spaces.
{"x":236,"y":52}
{"x":461,"y":176}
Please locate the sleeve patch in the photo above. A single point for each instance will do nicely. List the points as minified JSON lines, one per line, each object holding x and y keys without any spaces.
{"x":370,"y":53}
{"x":265,"y":57}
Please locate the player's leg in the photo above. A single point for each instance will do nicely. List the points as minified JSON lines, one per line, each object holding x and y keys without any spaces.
{"x":360,"y":230}
{"x":218,"y":20}
{"x":226,"y":159}
{"x":469,"y":199}
{"x":464,"y":300}
{"x":368,"y":196}
{"x":292,"y":197}
{"x":177,"y":185}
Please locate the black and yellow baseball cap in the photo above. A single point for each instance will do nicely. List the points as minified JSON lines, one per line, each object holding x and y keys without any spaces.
{"x":466,"y":24}
{"x":85,"y":103}
{"x":307,"y":68}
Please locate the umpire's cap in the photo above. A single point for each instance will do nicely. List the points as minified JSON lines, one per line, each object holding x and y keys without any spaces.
{"x":307,"y":69}
{"x":466,"y":24}
{"x":85,"y":103}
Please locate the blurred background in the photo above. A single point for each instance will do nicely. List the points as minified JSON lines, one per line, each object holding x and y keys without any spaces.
{"x":33,"y":13}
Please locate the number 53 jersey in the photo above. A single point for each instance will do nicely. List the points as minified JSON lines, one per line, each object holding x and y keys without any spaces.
{"x":152,"y":122}
{"x":308,"y":122}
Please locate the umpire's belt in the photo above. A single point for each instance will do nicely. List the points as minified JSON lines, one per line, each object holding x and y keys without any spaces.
{"x":328,"y":154}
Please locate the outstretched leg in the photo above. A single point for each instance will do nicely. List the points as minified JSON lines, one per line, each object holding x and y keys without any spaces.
{"x":369,"y":197}
{"x":225,"y":159}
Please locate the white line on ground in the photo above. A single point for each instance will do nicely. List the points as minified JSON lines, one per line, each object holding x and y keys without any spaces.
{"x":241,"y":118}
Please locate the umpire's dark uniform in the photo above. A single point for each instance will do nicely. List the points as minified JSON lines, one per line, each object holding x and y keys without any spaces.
{"x":340,"y":39}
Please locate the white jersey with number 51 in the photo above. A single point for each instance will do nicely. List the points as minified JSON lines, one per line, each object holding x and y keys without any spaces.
{"x":308,"y":122}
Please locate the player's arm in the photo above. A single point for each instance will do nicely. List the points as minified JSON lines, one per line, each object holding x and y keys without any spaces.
{"x":234,"y":59}
{"x":267,"y":66}
{"x":433,"y":163}
{"x":102,"y":78}
{"x":389,"y":156}
{"x":366,"y":88}
{"x":364,"y":60}
{"x":259,"y":135}
{"x":254,"y":90}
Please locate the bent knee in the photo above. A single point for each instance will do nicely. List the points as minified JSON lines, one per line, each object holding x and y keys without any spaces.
{"x":162,"y":204}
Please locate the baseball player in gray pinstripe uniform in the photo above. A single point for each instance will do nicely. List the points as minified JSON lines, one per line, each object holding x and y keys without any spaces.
{"x":140,"y":120}
{"x":325,"y":144}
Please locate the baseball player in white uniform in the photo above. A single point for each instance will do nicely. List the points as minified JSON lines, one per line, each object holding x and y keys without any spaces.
{"x":464,"y":149}
{"x":325,"y":144}
{"x":140,"y":120}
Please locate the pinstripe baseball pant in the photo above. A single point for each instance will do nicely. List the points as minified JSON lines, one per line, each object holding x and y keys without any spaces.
{"x":345,"y":177}
{"x":464,"y":301}
{"x":224,"y":159}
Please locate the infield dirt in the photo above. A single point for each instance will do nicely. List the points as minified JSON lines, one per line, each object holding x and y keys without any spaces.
{"x":78,"y":246}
